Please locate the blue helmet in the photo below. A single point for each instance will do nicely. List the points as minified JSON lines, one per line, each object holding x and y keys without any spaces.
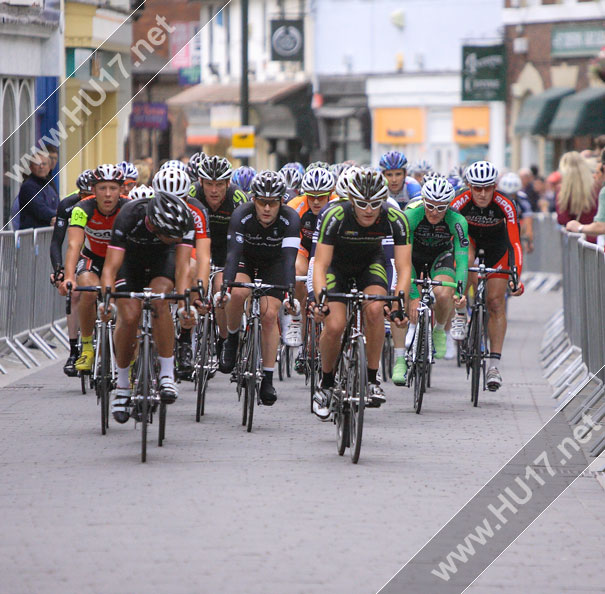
{"x":129,"y":170}
{"x":243,"y":177}
{"x":393,"y":160}
{"x":296,"y":165}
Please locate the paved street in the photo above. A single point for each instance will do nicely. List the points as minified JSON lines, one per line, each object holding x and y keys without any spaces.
{"x":278,"y":511}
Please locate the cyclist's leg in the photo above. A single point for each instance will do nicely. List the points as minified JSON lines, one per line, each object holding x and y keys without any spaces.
{"x":269,"y":307}
{"x":234,"y":311}
{"x":442,"y":270}
{"x":219,"y":313}
{"x":88,"y":273}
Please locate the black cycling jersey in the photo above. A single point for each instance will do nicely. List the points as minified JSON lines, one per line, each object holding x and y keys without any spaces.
{"x":130,"y":229}
{"x":355,"y":247}
{"x":61,"y":223}
{"x":260,"y":246}
{"x":219,"y":218}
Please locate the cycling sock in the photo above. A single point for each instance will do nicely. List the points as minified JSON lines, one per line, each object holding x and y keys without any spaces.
{"x":372,"y":375}
{"x":166,"y":367}
{"x":185,"y":335}
{"x":494,"y":358}
{"x":268,"y":375}
{"x":87,"y":343}
{"x":123,"y":377}
{"x":399,"y":353}
{"x":327,"y":381}
{"x":73,"y":346}
{"x":461,"y":311}
{"x":439,"y":326}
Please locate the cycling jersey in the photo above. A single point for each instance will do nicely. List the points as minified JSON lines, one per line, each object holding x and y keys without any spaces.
{"x":219,"y":218}
{"x":494,"y":228}
{"x":431,"y":242}
{"x":258,"y":247}
{"x":410,"y":189}
{"x":308,"y":221}
{"x":200,"y":219}
{"x":61,"y":223}
{"x":130,"y":229}
{"x":97,"y":226}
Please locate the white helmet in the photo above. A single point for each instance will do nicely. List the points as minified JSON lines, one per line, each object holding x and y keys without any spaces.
{"x":481,"y":173}
{"x":139,"y":192}
{"x":438,"y":189}
{"x":318,"y":179}
{"x":172,"y":181}
{"x":342,"y":185}
{"x":510,"y":183}
{"x":174,"y":163}
{"x":422,"y":166}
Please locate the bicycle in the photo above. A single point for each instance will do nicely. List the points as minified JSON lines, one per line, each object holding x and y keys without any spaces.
{"x":286,"y":355}
{"x":104,"y":371}
{"x":310,"y":355}
{"x":248,"y":371}
{"x":387,"y":357}
{"x":420,"y":354}
{"x":146,"y":398}
{"x":350,"y":392}
{"x":474,"y":350}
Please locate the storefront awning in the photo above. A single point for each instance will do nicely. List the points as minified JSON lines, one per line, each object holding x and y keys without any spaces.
{"x":259,"y":92}
{"x":335,"y":112}
{"x":538,"y":111}
{"x":580,"y":114}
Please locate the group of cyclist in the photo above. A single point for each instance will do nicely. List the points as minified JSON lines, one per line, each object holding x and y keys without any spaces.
{"x":331,"y":224}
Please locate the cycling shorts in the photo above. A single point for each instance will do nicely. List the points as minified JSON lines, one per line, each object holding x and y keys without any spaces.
{"x":271,"y":273}
{"x":442,"y":264}
{"x":375,"y":273}
{"x":90,"y":263}
{"x":496,"y":256}
{"x":140,"y":268}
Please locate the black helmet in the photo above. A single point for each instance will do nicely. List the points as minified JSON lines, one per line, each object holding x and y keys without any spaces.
{"x":84,"y":179}
{"x":215,"y":168}
{"x":169,"y":215}
{"x":194,"y":162}
{"x":268,"y":184}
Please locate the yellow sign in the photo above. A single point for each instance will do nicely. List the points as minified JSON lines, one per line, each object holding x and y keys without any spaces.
{"x":471,"y":124}
{"x":399,"y":125}
{"x":242,"y":141}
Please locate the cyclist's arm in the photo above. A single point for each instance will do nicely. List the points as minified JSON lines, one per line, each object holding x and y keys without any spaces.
{"x":113,"y":261}
{"x":459,"y":230}
{"x":515,"y":253}
{"x":58,"y":237}
{"x":322,"y":261}
{"x":181,"y":267}
{"x":290,"y":244}
{"x":235,"y":248}
{"x":202,"y":254}
{"x":403,"y":267}
{"x":75,"y":239}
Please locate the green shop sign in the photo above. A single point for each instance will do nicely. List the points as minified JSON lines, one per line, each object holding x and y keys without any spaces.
{"x":483,"y":73}
{"x":577,"y":41}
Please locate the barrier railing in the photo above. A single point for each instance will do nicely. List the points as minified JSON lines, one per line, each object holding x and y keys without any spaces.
{"x":584,"y":298}
{"x":30,"y":308}
{"x":546,"y":256}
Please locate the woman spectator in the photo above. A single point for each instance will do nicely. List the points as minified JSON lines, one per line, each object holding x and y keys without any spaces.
{"x":575,"y":200}
{"x":597,"y":226}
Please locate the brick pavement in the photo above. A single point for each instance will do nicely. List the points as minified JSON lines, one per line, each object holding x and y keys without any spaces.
{"x":275,"y":511}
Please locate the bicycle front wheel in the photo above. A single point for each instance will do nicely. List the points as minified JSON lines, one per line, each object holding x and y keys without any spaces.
{"x":252,"y":369}
{"x":202,"y":366}
{"x":144,"y":396}
{"x":103,"y":378}
{"x":357,"y":391}
{"x":314,"y":361}
{"x":476,"y":355}
{"x":421,"y":356}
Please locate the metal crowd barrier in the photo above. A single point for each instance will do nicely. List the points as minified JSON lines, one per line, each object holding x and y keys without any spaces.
{"x":584,"y":298}
{"x":546,"y":256}
{"x":30,"y":308}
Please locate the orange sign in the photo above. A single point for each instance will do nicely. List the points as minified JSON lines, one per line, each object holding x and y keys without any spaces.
{"x":399,"y":125}
{"x":471,"y":124}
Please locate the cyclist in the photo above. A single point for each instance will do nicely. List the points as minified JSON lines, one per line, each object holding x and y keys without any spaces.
{"x":56,"y":258}
{"x":511,"y":185}
{"x":317,"y":185}
{"x":402,"y":188}
{"x":193,"y":164}
{"x":176,"y":182}
{"x":150,"y":246}
{"x":242,"y":177}
{"x":264,"y":236}
{"x":492,"y":226}
{"x":220,"y":198}
{"x":349,"y":245}
{"x":420,"y":169}
{"x":293,"y":178}
{"x":440,"y":245}
{"x":89,"y":233}
{"x":131,"y":175}
{"x":141,"y":192}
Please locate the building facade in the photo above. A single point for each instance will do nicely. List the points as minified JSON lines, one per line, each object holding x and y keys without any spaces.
{"x":554,"y":102}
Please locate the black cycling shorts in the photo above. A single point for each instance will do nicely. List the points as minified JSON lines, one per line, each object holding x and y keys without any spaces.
{"x":271,"y":273}
{"x":375,"y":273}
{"x":443,"y":264}
{"x":90,"y":264}
{"x":493,"y":253}
{"x":141,"y":267}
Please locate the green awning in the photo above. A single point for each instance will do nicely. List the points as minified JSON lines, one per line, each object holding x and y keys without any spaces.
{"x":538,"y":111}
{"x":580,"y":114}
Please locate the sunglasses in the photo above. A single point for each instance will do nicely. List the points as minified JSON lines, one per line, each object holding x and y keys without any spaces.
{"x":363,"y":204}
{"x":434,"y":207}
{"x":267,"y":201}
{"x":318,"y":196}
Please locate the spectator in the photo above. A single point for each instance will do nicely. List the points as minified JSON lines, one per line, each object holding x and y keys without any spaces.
{"x":527,"y":179}
{"x":144,"y":172}
{"x":597,"y":226}
{"x":575,"y":200}
{"x":37,"y":199}
{"x":53,"y":155}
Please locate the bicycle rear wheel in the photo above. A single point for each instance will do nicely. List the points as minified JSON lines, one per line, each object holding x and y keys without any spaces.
{"x":281,"y":360}
{"x":476,"y":363}
{"x":357,"y":391}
